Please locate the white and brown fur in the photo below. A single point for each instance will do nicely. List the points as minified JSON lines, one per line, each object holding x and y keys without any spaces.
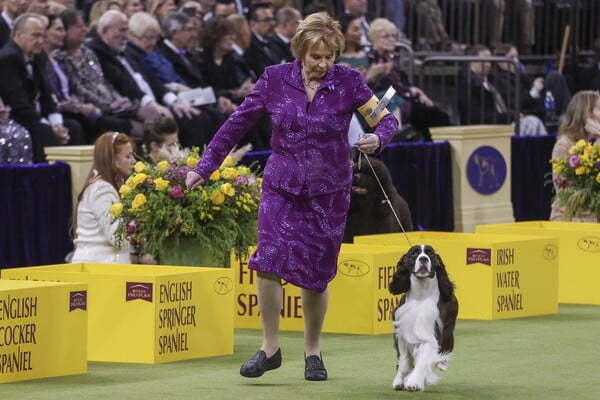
{"x":424,"y":319}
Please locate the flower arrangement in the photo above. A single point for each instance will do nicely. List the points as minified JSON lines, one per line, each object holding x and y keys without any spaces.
{"x":156,"y":209}
{"x":577,"y":176}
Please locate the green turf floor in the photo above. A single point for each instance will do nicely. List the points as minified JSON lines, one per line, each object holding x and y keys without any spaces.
{"x":549,"y":357}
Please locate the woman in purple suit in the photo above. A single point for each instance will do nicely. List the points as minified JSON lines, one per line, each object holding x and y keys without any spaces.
{"x":306,"y":182}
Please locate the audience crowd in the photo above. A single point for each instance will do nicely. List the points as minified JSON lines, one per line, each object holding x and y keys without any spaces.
{"x":72,"y":70}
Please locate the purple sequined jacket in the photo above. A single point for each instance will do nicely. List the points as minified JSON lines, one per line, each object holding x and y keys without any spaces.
{"x":309,"y":142}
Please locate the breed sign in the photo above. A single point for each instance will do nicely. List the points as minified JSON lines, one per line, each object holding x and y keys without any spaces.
{"x":41,"y":322}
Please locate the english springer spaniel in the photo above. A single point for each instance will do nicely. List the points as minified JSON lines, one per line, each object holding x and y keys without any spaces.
{"x":424,"y":319}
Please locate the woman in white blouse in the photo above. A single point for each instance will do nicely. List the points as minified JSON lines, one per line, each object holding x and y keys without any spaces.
{"x":94,"y":225}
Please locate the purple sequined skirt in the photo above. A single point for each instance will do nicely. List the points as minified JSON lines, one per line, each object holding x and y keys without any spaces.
{"x":299,"y":237}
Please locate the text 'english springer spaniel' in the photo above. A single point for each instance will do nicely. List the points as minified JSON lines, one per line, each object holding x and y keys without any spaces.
{"x":424,"y":319}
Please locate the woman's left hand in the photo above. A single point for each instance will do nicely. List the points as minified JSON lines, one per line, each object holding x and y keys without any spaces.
{"x":368,"y":143}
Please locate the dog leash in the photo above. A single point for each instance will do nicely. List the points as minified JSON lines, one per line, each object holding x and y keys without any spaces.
{"x":387,"y":199}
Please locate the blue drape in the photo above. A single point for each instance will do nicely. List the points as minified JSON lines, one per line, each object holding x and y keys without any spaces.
{"x":35,"y":212}
{"x":530,"y":195}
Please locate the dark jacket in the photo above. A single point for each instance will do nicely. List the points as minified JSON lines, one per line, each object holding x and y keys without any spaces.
{"x":476,"y":104}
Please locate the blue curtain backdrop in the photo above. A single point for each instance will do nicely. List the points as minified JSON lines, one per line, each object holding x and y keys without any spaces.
{"x":35,"y":212}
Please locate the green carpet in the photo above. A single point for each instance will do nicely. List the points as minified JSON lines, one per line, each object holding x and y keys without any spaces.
{"x":549,"y":357}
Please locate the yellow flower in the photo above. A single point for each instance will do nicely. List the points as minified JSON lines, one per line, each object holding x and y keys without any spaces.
{"x":192,"y":162}
{"x":229,"y":173}
{"x":228,"y":189}
{"x":161,"y":184}
{"x":598,"y":177}
{"x":217,"y":197}
{"x":139,"y":178}
{"x":116,"y":209}
{"x":228,"y":162}
{"x":215,"y":176}
{"x":580,"y":170}
{"x":138,"y":201}
{"x":162,"y":166}
{"x":243,"y":170}
{"x":131,"y":182}
{"x":125,"y":190}
{"x":580,"y":145}
{"x":139,"y":166}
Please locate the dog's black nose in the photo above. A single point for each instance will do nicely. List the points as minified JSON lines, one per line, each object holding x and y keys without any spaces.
{"x":423,"y":259}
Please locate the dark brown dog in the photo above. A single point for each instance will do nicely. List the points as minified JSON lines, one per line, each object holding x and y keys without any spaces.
{"x":369,"y":211}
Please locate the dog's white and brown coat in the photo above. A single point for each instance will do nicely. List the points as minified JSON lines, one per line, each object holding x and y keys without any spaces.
{"x":424,"y":319}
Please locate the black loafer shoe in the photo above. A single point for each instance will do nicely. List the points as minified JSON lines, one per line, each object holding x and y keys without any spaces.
{"x":314,"y":369}
{"x":259,"y":364}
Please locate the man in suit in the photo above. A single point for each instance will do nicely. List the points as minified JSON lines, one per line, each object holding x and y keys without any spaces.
{"x":286,"y":24}
{"x":11,"y":9}
{"x":131,"y":79}
{"x":260,"y":55}
{"x":589,"y":77}
{"x":24,"y":88}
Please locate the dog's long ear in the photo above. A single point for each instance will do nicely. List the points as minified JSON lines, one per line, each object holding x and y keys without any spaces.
{"x":401,"y":279}
{"x":444,"y":283}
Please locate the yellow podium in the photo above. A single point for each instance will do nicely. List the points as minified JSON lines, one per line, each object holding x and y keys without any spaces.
{"x":496,"y":276}
{"x":359,"y":302}
{"x":481,"y":159}
{"x":43,"y":329}
{"x":150,"y":314}
{"x":80,"y":160}
{"x":578,"y":255}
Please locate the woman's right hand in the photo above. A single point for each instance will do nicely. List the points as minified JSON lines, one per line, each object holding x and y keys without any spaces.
{"x":193,"y":180}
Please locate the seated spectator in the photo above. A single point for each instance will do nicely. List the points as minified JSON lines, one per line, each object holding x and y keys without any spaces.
{"x":230,"y":75}
{"x":15,"y":142}
{"x":287,"y":20}
{"x":160,"y":8}
{"x":259,"y":55}
{"x":225,"y":8}
{"x":10,"y":11}
{"x":24,"y":87}
{"x":241,"y":32}
{"x":416,"y":107}
{"x":479,"y":101}
{"x":431,"y":32}
{"x":130,"y":7}
{"x":353,"y":55}
{"x":160,"y":141}
{"x":582,"y":120}
{"x":88,"y":90}
{"x":93,"y":224}
{"x":532,"y":91}
{"x":88,"y":115}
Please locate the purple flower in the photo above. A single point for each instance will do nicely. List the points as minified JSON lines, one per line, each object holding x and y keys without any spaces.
{"x":574,"y":161}
{"x":176,"y":192}
{"x":132,"y":227}
{"x":149,"y":182}
{"x":177,"y":173}
{"x":241,"y":180}
{"x":593,"y":139}
{"x":597,"y":165}
{"x":133,"y":241}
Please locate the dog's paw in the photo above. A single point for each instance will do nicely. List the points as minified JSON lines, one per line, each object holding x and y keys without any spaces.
{"x":398,"y":382}
{"x":412,"y":385}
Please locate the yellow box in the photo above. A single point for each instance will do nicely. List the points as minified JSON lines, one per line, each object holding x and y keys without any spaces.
{"x":150,"y":314}
{"x":578,"y":255}
{"x":496,"y":276}
{"x":359,"y":300}
{"x":43,"y":329}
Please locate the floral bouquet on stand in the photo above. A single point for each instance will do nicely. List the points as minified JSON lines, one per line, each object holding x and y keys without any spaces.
{"x":577,"y":177}
{"x":160,"y":217}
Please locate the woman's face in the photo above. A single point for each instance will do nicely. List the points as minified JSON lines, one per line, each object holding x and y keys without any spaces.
{"x":354,"y":32}
{"x":75,"y":34}
{"x":56,"y":34}
{"x":4,"y":112}
{"x":148,"y":40}
{"x":166,"y":7}
{"x":225,"y":43}
{"x":132,"y":7}
{"x":317,"y":62}
{"x":168,"y":147}
{"x":385,"y":40}
{"x":125,"y":160}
